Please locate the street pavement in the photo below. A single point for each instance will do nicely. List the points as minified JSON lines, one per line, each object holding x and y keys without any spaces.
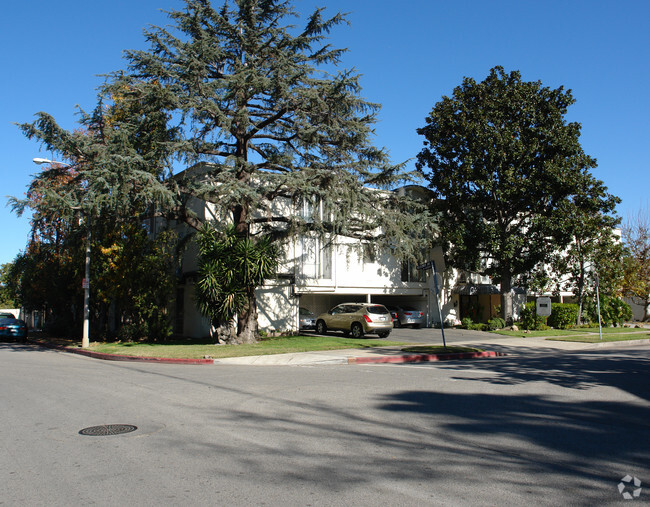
{"x":540,"y":426}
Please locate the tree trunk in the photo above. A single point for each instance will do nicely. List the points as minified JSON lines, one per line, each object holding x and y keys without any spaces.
{"x":581,"y":292}
{"x":247,"y":321}
{"x":223,"y":333}
{"x":506,"y":297}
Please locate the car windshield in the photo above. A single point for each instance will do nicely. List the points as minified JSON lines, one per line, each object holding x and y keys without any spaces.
{"x":304,"y":311}
{"x":377,"y":309}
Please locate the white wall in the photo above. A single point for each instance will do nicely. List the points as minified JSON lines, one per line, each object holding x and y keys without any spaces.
{"x":277,"y":309}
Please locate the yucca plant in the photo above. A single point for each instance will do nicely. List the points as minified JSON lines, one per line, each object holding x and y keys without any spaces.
{"x":231,"y":266}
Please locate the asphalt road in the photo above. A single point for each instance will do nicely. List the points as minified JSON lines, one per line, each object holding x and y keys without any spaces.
{"x":548,"y":429}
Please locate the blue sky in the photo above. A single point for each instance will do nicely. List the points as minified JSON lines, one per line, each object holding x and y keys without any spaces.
{"x":410,"y":54}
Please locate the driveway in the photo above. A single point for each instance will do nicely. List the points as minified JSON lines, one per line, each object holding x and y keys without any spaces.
{"x":434,"y":336}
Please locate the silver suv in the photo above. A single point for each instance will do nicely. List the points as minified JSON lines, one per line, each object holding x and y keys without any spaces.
{"x":356,"y":319}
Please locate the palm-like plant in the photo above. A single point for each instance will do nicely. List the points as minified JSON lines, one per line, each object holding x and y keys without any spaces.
{"x":231,"y":266}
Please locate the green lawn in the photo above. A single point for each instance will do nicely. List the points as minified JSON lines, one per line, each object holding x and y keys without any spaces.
{"x":198,"y":350}
{"x":533,"y":334}
{"x":555,"y":333}
{"x":439,"y":349}
{"x":607,"y":337}
{"x":612,"y":330}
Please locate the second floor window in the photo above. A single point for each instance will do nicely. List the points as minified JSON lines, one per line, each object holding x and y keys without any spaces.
{"x":411,"y":273}
{"x":316,"y":258}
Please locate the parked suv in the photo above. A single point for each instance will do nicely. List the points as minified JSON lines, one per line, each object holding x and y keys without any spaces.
{"x":356,"y":319}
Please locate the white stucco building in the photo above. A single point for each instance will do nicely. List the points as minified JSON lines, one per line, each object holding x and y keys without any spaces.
{"x":318,"y":273}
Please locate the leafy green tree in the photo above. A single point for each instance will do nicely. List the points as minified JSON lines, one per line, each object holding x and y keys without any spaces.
{"x":6,"y":293}
{"x":110,"y":167}
{"x":636,"y":236}
{"x":133,"y":279}
{"x":254,"y":101}
{"x":505,"y":167}
{"x":230,"y":267}
{"x":112,"y":178}
{"x":47,"y":279}
{"x":594,"y":254}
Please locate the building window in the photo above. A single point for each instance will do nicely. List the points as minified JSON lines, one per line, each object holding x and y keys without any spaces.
{"x":312,"y":210}
{"x":411,"y":273}
{"x":316,"y":259}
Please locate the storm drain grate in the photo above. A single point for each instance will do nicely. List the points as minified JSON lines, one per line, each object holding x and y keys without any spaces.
{"x":108,"y":429}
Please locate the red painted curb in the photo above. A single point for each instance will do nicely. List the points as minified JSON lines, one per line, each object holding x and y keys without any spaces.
{"x":419,"y":358}
{"x":116,"y":357}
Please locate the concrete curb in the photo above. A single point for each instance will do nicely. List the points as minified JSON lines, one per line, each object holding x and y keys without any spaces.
{"x":423,"y":358}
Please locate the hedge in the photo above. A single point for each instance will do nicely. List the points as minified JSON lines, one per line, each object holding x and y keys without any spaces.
{"x":563,"y":315}
{"x":530,"y":319}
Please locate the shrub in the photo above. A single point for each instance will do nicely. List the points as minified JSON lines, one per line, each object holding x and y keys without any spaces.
{"x":496,"y":323}
{"x":530,"y":319}
{"x":563,"y":315}
{"x":466,"y":323}
{"x":613,"y":311}
{"x":130,"y":332}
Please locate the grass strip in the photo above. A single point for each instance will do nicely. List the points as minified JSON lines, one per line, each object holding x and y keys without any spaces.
{"x":266,"y":346}
{"x":439,"y":349}
{"x":591,"y":338}
{"x":582,"y":331}
{"x":533,"y":334}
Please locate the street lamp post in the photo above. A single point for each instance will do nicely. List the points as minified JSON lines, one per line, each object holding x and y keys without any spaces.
{"x":85,"y":341}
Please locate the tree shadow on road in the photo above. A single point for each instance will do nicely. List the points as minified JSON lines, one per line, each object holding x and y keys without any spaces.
{"x":627,"y":372}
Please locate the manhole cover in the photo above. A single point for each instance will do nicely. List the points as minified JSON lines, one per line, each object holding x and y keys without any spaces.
{"x":108,"y":429}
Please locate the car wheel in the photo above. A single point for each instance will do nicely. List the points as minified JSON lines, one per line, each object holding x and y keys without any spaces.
{"x":357,"y":330}
{"x":384,"y":334}
{"x":321,"y":327}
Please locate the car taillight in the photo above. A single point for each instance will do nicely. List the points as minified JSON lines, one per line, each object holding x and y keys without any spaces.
{"x":368,"y":319}
{"x":408,"y":314}
{"x":3,"y":328}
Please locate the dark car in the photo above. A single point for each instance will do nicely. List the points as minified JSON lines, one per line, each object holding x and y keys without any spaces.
{"x":307,"y":319}
{"x":393,"y":312}
{"x":10,"y":327}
